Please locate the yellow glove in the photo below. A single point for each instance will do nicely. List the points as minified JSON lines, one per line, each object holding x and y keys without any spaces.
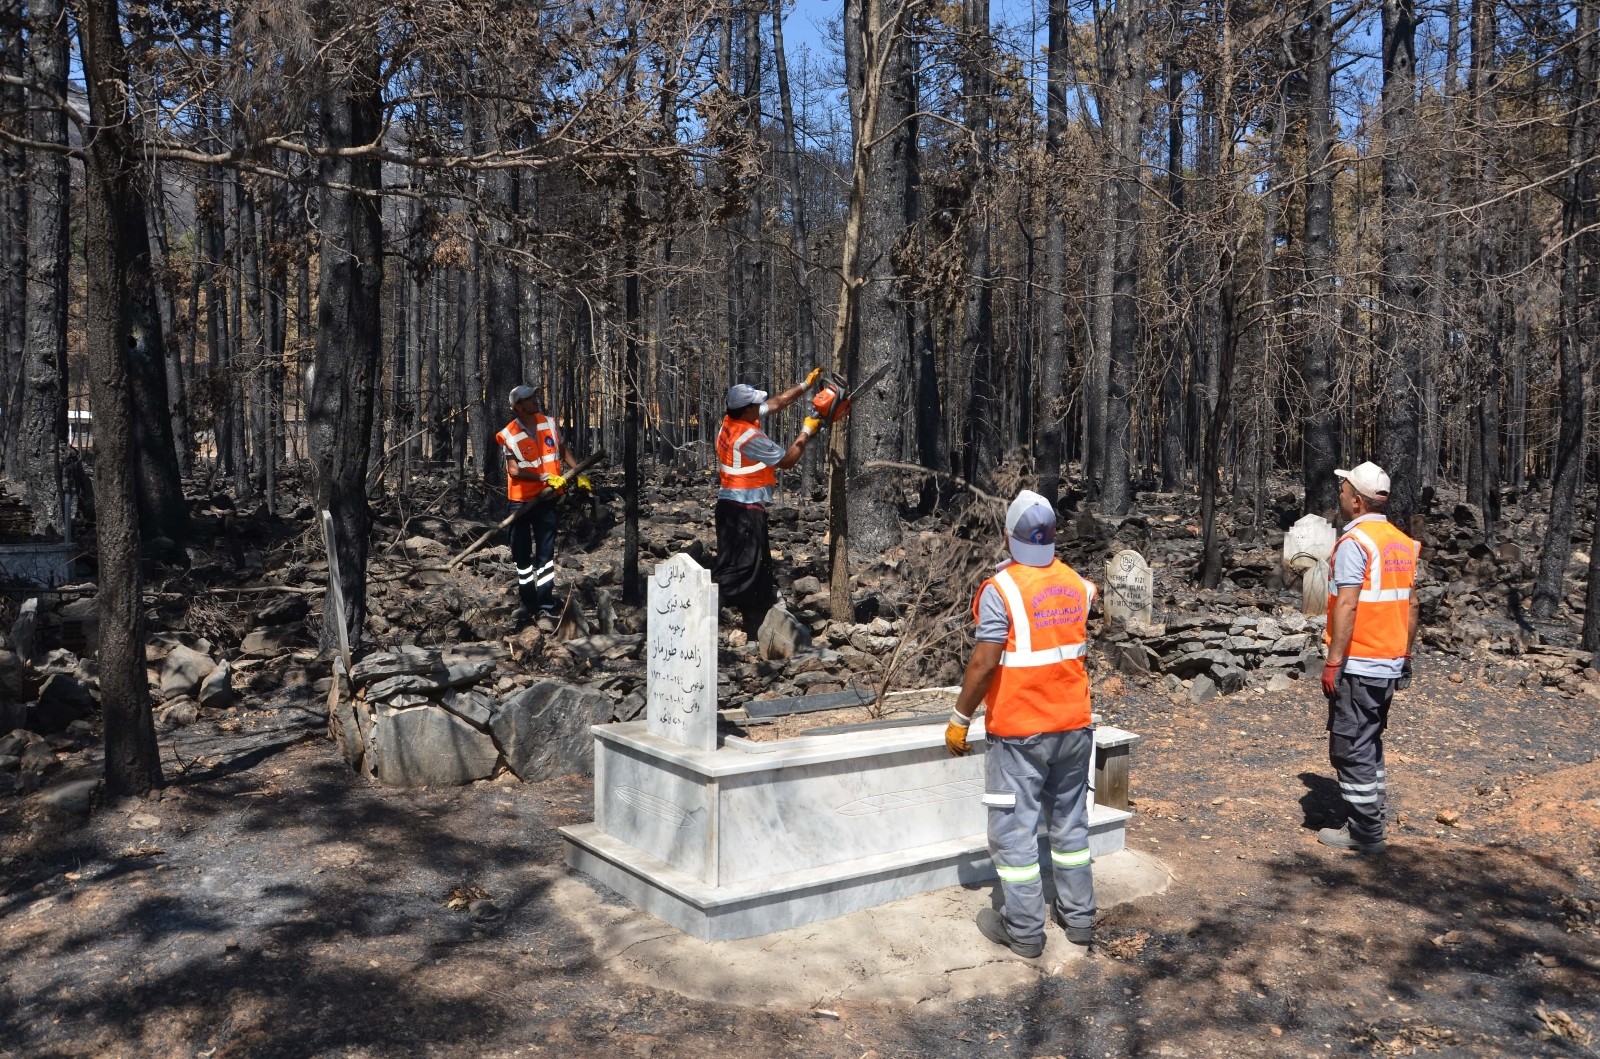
{"x":556,"y":482}
{"x":811,"y":425}
{"x":955,"y":735}
{"x":816,"y":373}
{"x":584,"y":483}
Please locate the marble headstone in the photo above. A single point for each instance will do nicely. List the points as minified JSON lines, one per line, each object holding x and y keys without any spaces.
{"x":1128,"y":589}
{"x":681,"y":653}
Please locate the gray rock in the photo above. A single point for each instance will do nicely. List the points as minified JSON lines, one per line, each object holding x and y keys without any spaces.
{"x":462,"y":674}
{"x":1204,"y":689}
{"x":216,"y":690}
{"x":271,"y":641}
{"x":1280,"y":682}
{"x":72,"y":798}
{"x":807,"y":586}
{"x":38,"y":757}
{"x":286,"y":610}
{"x":406,"y":661}
{"x":424,"y":548}
{"x":781,"y":634}
{"x":405,"y":682}
{"x":62,"y":700}
{"x":1229,"y":679}
{"x":24,"y":630}
{"x":406,"y":700}
{"x":1293,"y":643}
{"x":544,"y":729}
{"x":177,"y":713}
{"x":428,"y":747}
{"x":475,"y":706}
{"x":183,"y":671}
{"x":10,"y":762}
{"x":1196,"y":662}
{"x":347,"y":733}
{"x":16,"y":683}
{"x":631,"y":708}
{"x":1129,"y":658}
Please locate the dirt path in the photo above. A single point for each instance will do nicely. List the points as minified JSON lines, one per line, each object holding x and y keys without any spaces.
{"x":272,"y":905}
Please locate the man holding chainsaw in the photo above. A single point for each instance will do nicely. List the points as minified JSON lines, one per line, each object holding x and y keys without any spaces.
{"x":747,"y":462}
{"x":534,"y":453}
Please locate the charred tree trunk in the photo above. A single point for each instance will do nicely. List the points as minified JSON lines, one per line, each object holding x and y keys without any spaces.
{"x":1319,"y":451}
{"x":44,"y":352}
{"x":116,"y":250}
{"x":1053,"y":404}
{"x":1400,"y":279}
{"x":981,"y":452}
{"x":1117,"y":490}
{"x":349,"y":327}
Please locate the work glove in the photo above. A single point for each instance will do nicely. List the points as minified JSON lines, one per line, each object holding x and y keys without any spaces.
{"x":811,"y":425}
{"x":811,"y":379}
{"x":1405,"y":673}
{"x":955,"y":735}
{"x":1330,"y":678}
{"x":556,"y":482}
{"x":584,"y":483}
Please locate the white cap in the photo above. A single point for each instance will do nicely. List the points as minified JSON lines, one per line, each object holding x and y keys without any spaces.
{"x":743,"y":395}
{"x":1031,"y":529}
{"x":521,"y":393}
{"x":1368,"y":479}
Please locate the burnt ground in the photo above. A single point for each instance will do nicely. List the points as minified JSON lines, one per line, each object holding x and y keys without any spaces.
{"x":269,"y":903}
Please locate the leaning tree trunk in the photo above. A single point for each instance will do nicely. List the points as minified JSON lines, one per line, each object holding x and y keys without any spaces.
{"x":349,"y":330}
{"x":1400,"y":280}
{"x":115,"y":250}
{"x":44,"y":354}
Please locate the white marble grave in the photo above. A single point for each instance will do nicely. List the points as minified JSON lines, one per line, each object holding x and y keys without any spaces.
{"x":1129,"y":589}
{"x":743,"y":839}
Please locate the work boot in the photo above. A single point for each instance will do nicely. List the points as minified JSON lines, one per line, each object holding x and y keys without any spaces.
{"x":1077,"y":935}
{"x":520,"y":617}
{"x":1340,"y":838}
{"x":991,"y":926}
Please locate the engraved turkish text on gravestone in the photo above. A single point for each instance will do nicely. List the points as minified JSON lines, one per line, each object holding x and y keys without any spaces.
{"x":1128,"y":589}
{"x":681,"y":649}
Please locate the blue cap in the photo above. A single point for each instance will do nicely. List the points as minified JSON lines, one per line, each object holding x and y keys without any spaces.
{"x":1031,"y":529}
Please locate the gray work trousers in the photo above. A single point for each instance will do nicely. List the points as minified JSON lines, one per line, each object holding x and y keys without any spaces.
{"x":1358,"y":713}
{"x":1028,"y":779}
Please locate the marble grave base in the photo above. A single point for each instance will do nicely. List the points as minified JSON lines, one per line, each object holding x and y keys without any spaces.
{"x":752,"y":838}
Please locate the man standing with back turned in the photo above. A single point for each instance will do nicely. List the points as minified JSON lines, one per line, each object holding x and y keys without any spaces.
{"x":1372,"y":623}
{"x":1027,"y":668}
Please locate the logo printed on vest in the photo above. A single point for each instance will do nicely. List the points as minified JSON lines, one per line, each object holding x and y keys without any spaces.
{"x":1056,"y":605}
{"x":1398,"y":558}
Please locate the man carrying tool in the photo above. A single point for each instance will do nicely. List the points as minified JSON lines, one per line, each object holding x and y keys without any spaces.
{"x":1372,"y":623}
{"x":1027,"y":669}
{"x":534,"y":453}
{"x":747,"y":461}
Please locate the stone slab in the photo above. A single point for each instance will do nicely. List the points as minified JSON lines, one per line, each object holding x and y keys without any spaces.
{"x":780,"y":902}
{"x":681,"y":654}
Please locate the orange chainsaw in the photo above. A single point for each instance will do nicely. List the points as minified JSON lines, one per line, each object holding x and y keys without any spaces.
{"x":833,"y":397}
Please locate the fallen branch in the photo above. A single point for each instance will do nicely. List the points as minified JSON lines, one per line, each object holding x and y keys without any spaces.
{"x":526,"y":511}
{"x":912,"y":468}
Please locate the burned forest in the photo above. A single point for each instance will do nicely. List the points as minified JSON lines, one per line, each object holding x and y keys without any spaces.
{"x":505,"y":511}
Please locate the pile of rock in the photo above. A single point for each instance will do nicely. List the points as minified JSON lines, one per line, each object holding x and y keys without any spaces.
{"x":1213,"y":655}
{"x":44,"y":713}
{"x":413,"y":717}
{"x":186,"y":675}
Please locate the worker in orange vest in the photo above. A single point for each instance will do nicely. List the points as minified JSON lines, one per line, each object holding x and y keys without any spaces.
{"x":1372,"y":624}
{"x":534,"y":453}
{"x":1027,"y":670}
{"x":747,"y":465}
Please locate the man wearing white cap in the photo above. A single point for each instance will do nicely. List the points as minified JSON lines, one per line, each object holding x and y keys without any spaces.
{"x":534,"y":453}
{"x":747,"y":463}
{"x":1027,"y":670}
{"x":1372,"y":623}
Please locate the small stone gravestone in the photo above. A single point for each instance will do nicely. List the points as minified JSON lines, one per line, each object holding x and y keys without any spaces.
{"x":1129,"y":589}
{"x":681,"y":653}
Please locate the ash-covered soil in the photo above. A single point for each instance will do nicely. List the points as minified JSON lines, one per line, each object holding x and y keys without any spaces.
{"x":269,"y":903}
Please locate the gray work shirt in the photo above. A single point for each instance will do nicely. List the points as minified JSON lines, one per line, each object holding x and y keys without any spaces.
{"x":994,"y":624}
{"x":1350,"y":571}
{"x":757,"y":448}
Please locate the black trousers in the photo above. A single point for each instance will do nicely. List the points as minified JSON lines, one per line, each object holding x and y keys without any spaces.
{"x":743,"y":570}
{"x":1358,"y":713}
{"x":533,"y":551}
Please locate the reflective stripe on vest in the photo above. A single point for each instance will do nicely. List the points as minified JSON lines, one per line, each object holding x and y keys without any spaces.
{"x":1041,"y":684}
{"x":539,"y":452}
{"x":733,"y":471}
{"x":1383,"y":611}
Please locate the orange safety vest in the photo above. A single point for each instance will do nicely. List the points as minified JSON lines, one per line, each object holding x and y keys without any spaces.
{"x":1042,"y":684}
{"x":539,"y":452}
{"x":732,"y":470}
{"x":1383,"y":609}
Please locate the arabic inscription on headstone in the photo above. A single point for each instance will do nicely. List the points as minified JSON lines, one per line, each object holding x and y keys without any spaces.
{"x":681,"y":654}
